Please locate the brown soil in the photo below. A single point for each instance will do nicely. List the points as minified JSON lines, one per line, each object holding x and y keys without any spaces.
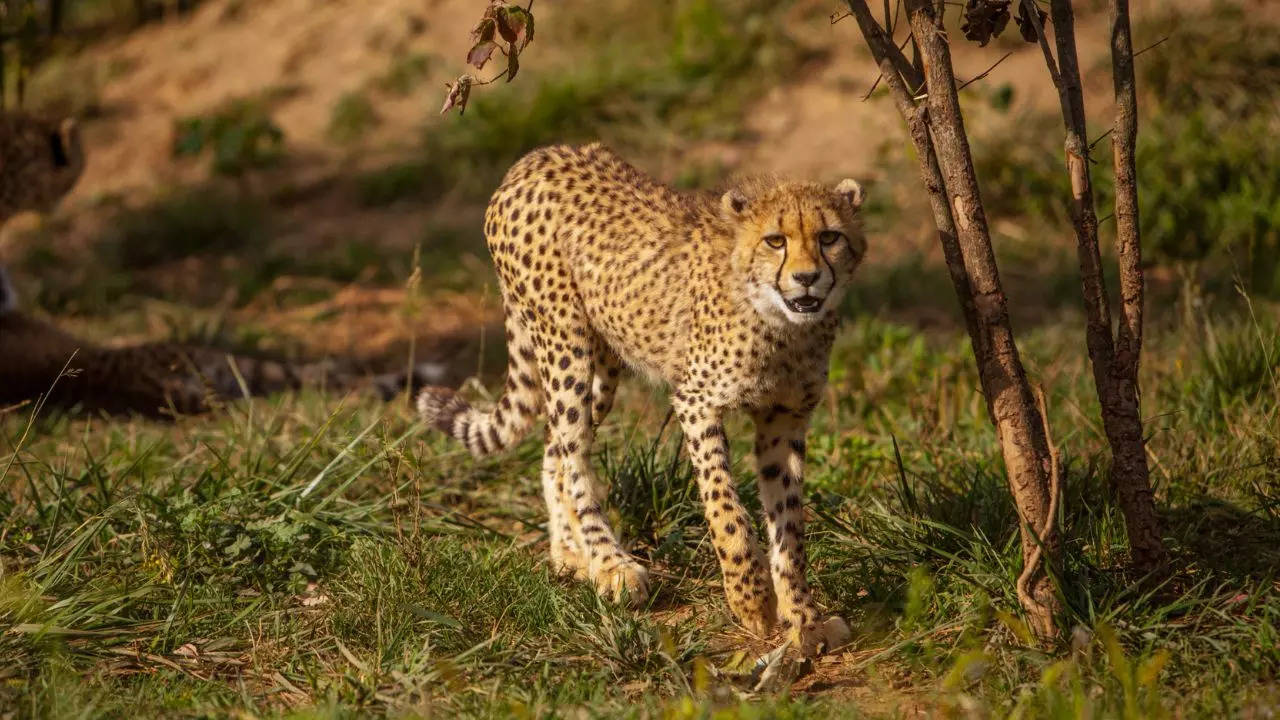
{"x":305,"y":55}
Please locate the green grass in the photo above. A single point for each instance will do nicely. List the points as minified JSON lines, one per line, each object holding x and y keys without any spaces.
{"x":309,"y":556}
{"x":300,"y":555}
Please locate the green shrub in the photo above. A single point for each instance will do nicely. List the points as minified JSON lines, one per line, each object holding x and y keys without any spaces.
{"x":398,"y":181}
{"x":353,"y":116}
{"x":185,"y":223}
{"x":1209,"y":193}
{"x":1221,"y":59}
{"x":1021,"y":171}
{"x":405,"y":73}
{"x":241,"y":136}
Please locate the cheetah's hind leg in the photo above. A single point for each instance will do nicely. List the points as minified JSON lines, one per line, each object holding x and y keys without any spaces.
{"x":567,"y":365}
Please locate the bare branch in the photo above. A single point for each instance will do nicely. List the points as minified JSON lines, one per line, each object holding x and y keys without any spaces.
{"x":946,"y":167}
{"x":984,"y":73}
{"x":880,"y":77}
{"x":1033,"y":12}
{"x":1153,"y":45}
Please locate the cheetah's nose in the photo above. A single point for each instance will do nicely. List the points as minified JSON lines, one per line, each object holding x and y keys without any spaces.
{"x":805,"y":278}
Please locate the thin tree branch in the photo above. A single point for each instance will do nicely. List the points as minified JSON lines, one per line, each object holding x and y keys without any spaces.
{"x":1033,"y":12}
{"x":1100,"y":138}
{"x":984,"y":73}
{"x":915,"y":118}
{"x":880,"y":77}
{"x":1153,"y":45}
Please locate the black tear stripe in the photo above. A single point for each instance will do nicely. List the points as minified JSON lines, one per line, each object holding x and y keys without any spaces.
{"x":777,"y":278}
{"x":826,"y":261}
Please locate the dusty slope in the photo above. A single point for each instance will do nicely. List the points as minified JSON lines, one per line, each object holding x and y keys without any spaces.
{"x":307,"y":54}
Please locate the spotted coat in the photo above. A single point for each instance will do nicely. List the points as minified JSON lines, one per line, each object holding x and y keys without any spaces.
{"x":728,"y":300}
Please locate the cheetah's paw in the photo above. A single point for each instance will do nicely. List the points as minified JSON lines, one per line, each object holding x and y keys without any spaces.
{"x":623,"y":579}
{"x":815,"y":639}
{"x":567,"y":561}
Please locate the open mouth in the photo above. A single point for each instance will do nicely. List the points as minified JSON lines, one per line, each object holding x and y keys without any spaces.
{"x":804,"y":304}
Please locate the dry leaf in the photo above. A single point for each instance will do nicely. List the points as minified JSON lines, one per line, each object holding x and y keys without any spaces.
{"x":984,"y":19}
{"x":1025,"y":26}
{"x":459,"y":92}
{"x":481,"y":52}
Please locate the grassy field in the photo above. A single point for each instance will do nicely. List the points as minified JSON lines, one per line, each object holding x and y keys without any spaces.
{"x":315,"y":556}
{"x":308,"y":557}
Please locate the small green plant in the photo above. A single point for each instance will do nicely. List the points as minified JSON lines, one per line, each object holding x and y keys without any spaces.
{"x":239,"y":136}
{"x":405,"y":73}
{"x":413,"y":180}
{"x":185,"y":223}
{"x":352,"y":118}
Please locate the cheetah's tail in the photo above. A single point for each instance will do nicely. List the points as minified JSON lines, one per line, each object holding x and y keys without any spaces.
{"x":483,"y":432}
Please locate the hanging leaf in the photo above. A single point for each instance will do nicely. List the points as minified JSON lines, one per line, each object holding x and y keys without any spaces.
{"x":459,"y":93}
{"x":502,"y":19}
{"x":984,"y":19}
{"x":485,"y":30}
{"x":481,"y":52}
{"x":1028,"y":28}
{"x":513,"y":62}
{"x":520,"y":21}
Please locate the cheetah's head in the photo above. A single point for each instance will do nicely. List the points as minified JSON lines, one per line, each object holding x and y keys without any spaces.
{"x":796,"y":246}
{"x":65,"y":157}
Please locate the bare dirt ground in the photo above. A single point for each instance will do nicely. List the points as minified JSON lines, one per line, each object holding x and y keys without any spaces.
{"x":304,"y":55}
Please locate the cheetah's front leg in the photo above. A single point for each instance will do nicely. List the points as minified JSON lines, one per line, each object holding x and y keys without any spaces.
{"x":780,"y":456}
{"x":746,"y":584}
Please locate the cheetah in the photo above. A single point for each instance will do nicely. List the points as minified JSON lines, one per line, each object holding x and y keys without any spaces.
{"x":728,"y":300}
{"x":40,"y":161}
{"x":159,"y":380}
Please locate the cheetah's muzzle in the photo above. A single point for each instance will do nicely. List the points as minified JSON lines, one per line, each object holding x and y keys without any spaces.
{"x":804,"y":304}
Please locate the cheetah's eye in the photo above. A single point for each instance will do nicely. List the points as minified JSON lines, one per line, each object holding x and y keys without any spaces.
{"x":829,"y":237}
{"x":775,"y":240}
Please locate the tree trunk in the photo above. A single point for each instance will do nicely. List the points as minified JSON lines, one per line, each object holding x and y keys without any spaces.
{"x":1114,"y":363}
{"x":937,"y":131}
{"x":1130,"y":477}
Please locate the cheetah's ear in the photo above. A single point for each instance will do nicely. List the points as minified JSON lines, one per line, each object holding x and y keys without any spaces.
{"x":733,"y":203}
{"x":851,"y":191}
